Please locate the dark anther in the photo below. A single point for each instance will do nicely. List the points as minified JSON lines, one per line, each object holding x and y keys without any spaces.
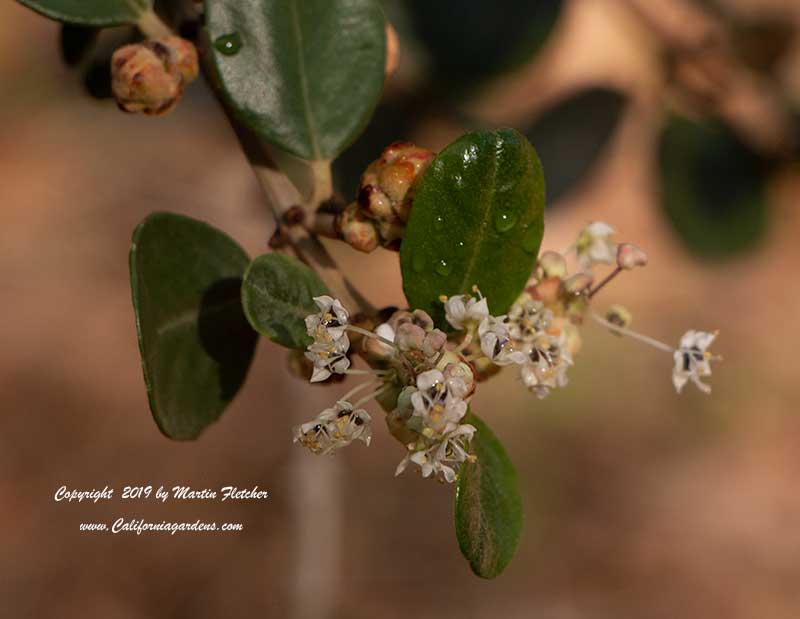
{"x":160,"y":50}
{"x":358,"y":421}
{"x":294,"y":216}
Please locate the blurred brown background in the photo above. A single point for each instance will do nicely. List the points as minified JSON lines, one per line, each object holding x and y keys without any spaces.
{"x":639,"y":502}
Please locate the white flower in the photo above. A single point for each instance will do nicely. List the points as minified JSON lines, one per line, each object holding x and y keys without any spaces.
{"x":329,"y":357}
{"x":462,"y":310}
{"x":692,"y":360}
{"x":527,"y":319}
{"x":442,"y":458}
{"x":334,"y":428}
{"x":546,"y":368}
{"x":438,"y":402}
{"x":593,"y":245}
{"x":496,"y":342}
{"x":331,"y":321}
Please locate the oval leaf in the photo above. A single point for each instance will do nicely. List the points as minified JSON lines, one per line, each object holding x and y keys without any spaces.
{"x":91,"y":12}
{"x":195,"y":342}
{"x":277,"y":294}
{"x":303,"y":74}
{"x":713,"y":187}
{"x":478,"y":218}
{"x":488,"y":509}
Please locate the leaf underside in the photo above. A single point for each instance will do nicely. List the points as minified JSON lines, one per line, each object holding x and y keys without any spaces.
{"x":91,"y":12}
{"x":195,"y":342}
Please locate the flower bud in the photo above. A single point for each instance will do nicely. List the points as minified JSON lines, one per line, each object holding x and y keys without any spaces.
{"x":619,"y":316}
{"x":552,"y":264}
{"x":433,"y":343}
{"x":409,"y":337}
{"x":386,"y":192}
{"x":357,"y":231}
{"x":629,"y":256}
{"x":150,"y":77}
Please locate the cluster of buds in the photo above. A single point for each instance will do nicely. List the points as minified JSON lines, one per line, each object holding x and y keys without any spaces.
{"x":150,"y":77}
{"x":379,"y":214}
{"x":431,"y":376}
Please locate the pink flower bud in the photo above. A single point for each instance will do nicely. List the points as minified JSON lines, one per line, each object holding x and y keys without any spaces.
{"x":629,"y":256}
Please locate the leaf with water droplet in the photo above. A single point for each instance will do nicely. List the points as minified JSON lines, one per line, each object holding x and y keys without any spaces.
{"x":228,"y":44}
{"x":91,"y":12}
{"x":306,"y":75}
{"x":495,"y":216}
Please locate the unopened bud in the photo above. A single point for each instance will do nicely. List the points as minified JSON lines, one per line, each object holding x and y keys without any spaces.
{"x":409,"y":337}
{"x":433,"y":343}
{"x":552,"y":264}
{"x":619,"y":316}
{"x":629,"y":256}
{"x":150,"y":77}
{"x":357,"y":231}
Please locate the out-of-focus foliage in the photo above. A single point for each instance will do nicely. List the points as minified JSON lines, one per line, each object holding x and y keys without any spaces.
{"x":713,"y":187}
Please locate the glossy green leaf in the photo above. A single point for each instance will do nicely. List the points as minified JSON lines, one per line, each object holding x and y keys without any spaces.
{"x":478,"y":218}
{"x":713,"y":187}
{"x":488,"y":506}
{"x":570,"y":137}
{"x":195,"y":342}
{"x":91,"y":12}
{"x":303,"y":74}
{"x":277,"y":294}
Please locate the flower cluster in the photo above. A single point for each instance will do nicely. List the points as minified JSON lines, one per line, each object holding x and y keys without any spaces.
{"x":425,"y":377}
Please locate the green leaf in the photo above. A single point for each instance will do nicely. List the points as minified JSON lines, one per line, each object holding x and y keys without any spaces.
{"x":277,"y":294}
{"x":91,"y":12}
{"x":305,"y":75}
{"x":488,"y":508}
{"x":195,"y":342}
{"x":713,"y":187}
{"x":478,"y":218}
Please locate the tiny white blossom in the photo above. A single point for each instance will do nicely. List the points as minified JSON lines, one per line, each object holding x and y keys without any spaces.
{"x":593,"y":245}
{"x":438,"y":402}
{"x":444,"y":457}
{"x":334,"y":428}
{"x":463,"y":309}
{"x":546,"y":368}
{"x":527,"y":319}
{"x":331,"y":321}
{"x":329,"y":357}
{"x":496,"y":342}
{"x":692,"y":360}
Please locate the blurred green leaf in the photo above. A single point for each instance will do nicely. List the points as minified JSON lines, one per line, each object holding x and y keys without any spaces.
{"x":713,"y":187}
{"x":571,"y":136}
{"x":91,"y":12}
{"x":304,"y":75}
{"x":488,"y":506}
{"x":277,"y":294}
{"x":469,"y":40}
{"x":195,"y":342}
{"x":76,"y":42}
{"x":478,"y":218}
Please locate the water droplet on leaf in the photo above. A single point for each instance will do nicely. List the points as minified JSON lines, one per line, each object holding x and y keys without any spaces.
{"x":228,"y":44}
{"x":438,"y":222}
{"x":443,"y":267}
{"x":504,"y":221}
